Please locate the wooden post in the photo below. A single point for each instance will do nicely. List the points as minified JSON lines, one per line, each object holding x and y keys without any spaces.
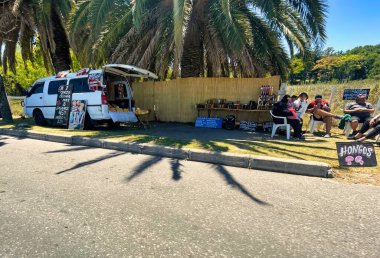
{"x":332,"y":96}
{"x":282,"y":91}
{"x":5,"y":110}
{"x":377,"y":107}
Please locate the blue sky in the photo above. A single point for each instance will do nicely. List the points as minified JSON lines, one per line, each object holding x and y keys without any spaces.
{"x":353,"y":23}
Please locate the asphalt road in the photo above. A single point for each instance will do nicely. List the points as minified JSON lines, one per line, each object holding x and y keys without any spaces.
{"x":70,"y":201}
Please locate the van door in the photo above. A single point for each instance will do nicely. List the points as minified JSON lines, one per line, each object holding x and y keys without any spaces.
{"x":82,"y":91}
{"x":34,"y":99}
{"x":50,"y":96}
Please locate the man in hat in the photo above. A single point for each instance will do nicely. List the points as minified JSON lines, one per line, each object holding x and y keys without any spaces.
{"x":360,"y":112}
{"x":320,"y":110}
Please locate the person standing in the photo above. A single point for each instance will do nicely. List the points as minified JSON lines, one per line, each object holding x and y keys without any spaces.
{"x":360,"y":112}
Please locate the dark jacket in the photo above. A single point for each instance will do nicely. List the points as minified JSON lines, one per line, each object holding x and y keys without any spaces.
{"x":281,"y":109}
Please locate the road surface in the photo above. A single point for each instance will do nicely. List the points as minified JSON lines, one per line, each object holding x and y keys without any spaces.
{"x":58,"y":200}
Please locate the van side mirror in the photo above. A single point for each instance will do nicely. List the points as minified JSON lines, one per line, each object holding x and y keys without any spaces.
{"x":25,"y":93}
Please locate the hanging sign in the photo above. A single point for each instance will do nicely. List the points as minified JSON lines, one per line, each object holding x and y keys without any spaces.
{"x":351,"y":94}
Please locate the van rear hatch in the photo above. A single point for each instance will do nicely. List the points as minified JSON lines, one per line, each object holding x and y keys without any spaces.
{"x":129,"y":71}
{"x":124,"y":71}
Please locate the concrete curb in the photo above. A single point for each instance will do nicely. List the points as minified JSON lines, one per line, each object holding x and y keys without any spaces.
{"x":290,"y":166}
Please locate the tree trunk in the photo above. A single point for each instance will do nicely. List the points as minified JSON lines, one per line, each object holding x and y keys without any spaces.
{"x":61,"y":56}
{"x":192,"y":62}
{"x":5,"y":109}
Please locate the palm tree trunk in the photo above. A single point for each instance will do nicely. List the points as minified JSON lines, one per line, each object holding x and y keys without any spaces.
{"x":61,"y":56}
{"x":192,"y":62}
{"x":5,"y":109}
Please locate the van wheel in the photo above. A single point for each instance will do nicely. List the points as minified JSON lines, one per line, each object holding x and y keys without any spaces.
{"x":39,"y":118}
{"x":88,"y":122}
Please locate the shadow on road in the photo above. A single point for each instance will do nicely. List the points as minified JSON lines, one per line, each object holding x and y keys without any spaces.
{"x":175,"y":166}
{"x":230,"y":180}
{"x":69,"y":150}
{"x":90,"y":162}
{"x":1,"y":142}
{"x":143,"y":166}
{"x":176,"y":169}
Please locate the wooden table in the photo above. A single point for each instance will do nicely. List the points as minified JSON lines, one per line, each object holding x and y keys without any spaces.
{"x":235,"y":112}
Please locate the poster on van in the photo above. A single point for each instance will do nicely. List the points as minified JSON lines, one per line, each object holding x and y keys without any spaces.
{"x":77,"y":114}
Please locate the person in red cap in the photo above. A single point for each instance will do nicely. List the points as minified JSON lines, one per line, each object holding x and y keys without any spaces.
{"x":320,"y":110}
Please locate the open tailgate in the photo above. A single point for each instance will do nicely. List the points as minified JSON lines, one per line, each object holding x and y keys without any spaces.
{"x":129,"y":71}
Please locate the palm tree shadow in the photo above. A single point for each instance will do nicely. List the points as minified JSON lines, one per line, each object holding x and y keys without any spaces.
{"x":70,"y":149}
{"x":230,"y":180}
{"x":91,"y":162}
{"x":1,"y":142}
{"x":143,"y":166}
{"x":175,"y":165}
{"x":176,"y":169}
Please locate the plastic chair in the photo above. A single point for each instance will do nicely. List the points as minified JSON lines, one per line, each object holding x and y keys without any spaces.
{"x":284,"y":124}
{"x":314,"y":123}
{"x":348,"y":130}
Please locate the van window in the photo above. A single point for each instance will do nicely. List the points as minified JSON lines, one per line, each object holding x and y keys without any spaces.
{"x":37,"y":88}
{"x":80,"y":85}
{"x":53,"y":86}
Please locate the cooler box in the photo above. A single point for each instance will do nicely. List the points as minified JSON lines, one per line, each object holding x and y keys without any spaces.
{"x":207,"y":122}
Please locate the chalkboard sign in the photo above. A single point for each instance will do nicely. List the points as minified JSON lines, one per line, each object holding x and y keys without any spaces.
{"x":356,"y":154}
{"x":207,"y":122}
{"x":62,"y":109}
{"x":351,"y":94}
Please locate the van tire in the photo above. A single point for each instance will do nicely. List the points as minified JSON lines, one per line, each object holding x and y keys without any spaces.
{"x":39,"y":118}
{"x":88,"y":122}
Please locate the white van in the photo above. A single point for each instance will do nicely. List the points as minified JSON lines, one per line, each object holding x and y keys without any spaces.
{"x":108,"y":94}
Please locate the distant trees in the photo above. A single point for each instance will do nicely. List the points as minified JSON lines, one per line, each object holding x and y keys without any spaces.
{"x":358,"y":63}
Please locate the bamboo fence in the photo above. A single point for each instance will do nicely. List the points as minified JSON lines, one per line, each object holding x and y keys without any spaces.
{"x":175,"y":100}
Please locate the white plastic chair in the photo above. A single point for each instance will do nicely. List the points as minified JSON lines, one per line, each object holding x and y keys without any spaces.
{"x":314,"y":123}
{"x":348,"y":130}
{"x":284,"y":124}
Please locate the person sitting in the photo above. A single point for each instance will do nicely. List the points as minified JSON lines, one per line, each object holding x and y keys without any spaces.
{"x":360,"y":112}
{"x":283,"y":109}
{"x":373,"y":123}
{"x":320,"y":110}
{"x":300,"y":105}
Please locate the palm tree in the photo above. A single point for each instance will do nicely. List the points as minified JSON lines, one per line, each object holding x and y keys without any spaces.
{"x":24,"y":21}
{"x":198,"y":37}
